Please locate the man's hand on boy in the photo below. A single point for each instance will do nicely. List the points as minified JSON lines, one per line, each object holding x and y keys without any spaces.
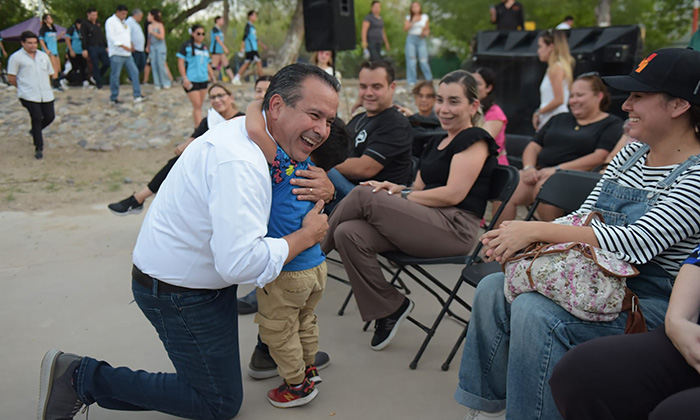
{"x":313,"y":185}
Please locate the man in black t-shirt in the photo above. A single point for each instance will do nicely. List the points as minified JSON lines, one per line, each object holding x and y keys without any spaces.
{"x":382,"y":134}
{"x":508,"y":16}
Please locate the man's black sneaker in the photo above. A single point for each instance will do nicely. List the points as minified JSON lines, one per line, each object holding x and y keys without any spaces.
{"x":263,"y":366}
{"x":57,"y":397}
{"x":115,"y":102}
{"x":248,"y":304}
{"x":385,"y":328}
{"x":38,"y":155}
{"x":126,"y":206}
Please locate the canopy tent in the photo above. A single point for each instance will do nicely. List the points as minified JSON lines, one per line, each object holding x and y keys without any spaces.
{"x":13,"y":33}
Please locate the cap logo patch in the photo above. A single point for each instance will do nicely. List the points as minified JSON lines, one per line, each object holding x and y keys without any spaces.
{"x":644,"y":63}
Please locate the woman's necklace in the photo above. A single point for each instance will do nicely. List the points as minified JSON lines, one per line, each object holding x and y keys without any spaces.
{"x":595,"y":118}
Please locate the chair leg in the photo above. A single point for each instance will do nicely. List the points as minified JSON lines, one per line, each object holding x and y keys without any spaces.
{"x":341,"y":311}
{"x":455,"y":348}
{"x":431,"y":331}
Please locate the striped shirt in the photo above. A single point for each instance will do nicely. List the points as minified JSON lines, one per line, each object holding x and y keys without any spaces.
{"x":669,"y":232}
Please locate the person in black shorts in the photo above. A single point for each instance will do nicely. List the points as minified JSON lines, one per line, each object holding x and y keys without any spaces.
{"x":249,"y":45}
{"x":193,"y":62}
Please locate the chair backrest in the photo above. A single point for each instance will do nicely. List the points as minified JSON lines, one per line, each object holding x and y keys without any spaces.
{"x":566,"y":189}
{"x":504,"y":181}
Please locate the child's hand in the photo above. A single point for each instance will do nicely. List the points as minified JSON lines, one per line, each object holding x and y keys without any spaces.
{"x":316,"y":223}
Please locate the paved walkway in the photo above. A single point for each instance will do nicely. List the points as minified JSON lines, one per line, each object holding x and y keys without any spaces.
{"x":66,"y":284}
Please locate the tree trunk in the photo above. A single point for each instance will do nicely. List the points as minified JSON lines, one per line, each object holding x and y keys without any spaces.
{"x":201,"y":5}
{"x":602,"y":13}
{"x":289,"y":52}
{"x":227,"y":12}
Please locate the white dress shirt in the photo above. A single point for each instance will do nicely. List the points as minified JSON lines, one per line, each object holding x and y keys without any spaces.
{"x":118,"y":34}
{"x":206,"y":227}
{"x":32,"y":75}
{"x":136,"y":33}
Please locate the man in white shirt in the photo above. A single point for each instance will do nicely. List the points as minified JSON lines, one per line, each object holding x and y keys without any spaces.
{"x":119,"y":48}
{"x":203,"y":235}
{"x":138,"y":39}
{"x":566,"y":24}
{"x":29,"y":69}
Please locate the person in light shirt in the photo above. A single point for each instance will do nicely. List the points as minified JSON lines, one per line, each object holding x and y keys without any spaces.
{"x":119,"y":47}
{"x":203,"y":235}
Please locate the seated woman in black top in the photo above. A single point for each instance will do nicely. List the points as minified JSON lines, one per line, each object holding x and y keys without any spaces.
{"x":580,"y":140}
{"x":438,"y":217}
{"x":223,"y":108}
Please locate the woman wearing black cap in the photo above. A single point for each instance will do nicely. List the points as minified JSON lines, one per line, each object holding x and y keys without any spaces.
{"x":657,"y":372}
{"x":649,"y":196}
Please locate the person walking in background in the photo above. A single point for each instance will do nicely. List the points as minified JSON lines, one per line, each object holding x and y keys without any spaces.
{"x":95,"y":46}
{"x":48,"y":38}
{"x":29,"y":71}
{"x":120,"y":48}
{"x":3,"y":53}
{"x":138,"y":40}
{"x":218,"y":50}
{"x":566,"y":24}
{"x":417,"y":26}
{"x":158,"y":50}
{"x":508,"y":16}
{"x":373,"y":33}
{"x":193,"y":63}
{"x":74,"y":42}
{"x":249,"y":46}
{"x":553,"y":49}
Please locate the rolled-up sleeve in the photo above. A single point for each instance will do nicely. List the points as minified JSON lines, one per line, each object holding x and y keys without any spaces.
{"x":239,"y":206}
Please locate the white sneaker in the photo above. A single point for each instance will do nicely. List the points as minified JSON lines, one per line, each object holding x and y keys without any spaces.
{"x":482,"y":415}
{"x":156,"y":87}
{"x":166,"y":87}
{"x":63,"y":83}
{"x":86,"y":84}
{"x":139,"y":100}
{"x":236,"y":80}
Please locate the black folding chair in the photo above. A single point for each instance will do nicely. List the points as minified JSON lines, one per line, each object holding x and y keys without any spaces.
{"x":565,"y":189}
{"x":504,"y":180}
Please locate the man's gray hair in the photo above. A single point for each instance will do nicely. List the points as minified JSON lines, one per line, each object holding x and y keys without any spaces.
{"x":287,"y":83}
{"x":136,"y":12}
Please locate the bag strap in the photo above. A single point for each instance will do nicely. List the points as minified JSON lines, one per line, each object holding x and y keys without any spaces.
{"x":635,"y":318}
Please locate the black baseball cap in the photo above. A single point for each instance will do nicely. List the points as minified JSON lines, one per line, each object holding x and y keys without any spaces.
{"x":675,"y":71}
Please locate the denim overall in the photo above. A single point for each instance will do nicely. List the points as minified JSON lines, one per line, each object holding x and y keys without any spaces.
{"x":511,"y":349}
{"x":622,"y":206}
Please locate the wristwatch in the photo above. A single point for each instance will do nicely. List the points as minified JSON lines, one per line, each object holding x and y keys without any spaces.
{"x":405,"y":193}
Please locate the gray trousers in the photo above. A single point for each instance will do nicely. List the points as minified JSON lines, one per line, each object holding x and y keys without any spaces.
{"x":366,"y":223}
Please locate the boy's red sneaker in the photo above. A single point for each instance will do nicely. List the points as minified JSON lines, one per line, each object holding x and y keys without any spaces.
{"x":286,"y":396}
{"x":312,"y":375}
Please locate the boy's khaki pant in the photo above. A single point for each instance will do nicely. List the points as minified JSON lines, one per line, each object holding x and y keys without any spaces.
{"x":287,"y":322}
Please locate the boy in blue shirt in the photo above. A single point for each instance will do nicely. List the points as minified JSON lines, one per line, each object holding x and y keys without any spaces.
{"x":285,"y":318}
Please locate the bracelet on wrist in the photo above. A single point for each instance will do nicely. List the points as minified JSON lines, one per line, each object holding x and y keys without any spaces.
{"x":528,"y":167}
{"x":405,"y":193}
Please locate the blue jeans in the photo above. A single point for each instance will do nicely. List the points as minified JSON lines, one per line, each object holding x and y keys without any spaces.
{"x":199,"y":330}
{"x":342,"y":188}
{"x":98,"y":55}
{"x":117,"y":62}
{"x":158,"y":54}
{"x":416,"y":53}
{"x":139,"y":59}
{"x":511,"y":349}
